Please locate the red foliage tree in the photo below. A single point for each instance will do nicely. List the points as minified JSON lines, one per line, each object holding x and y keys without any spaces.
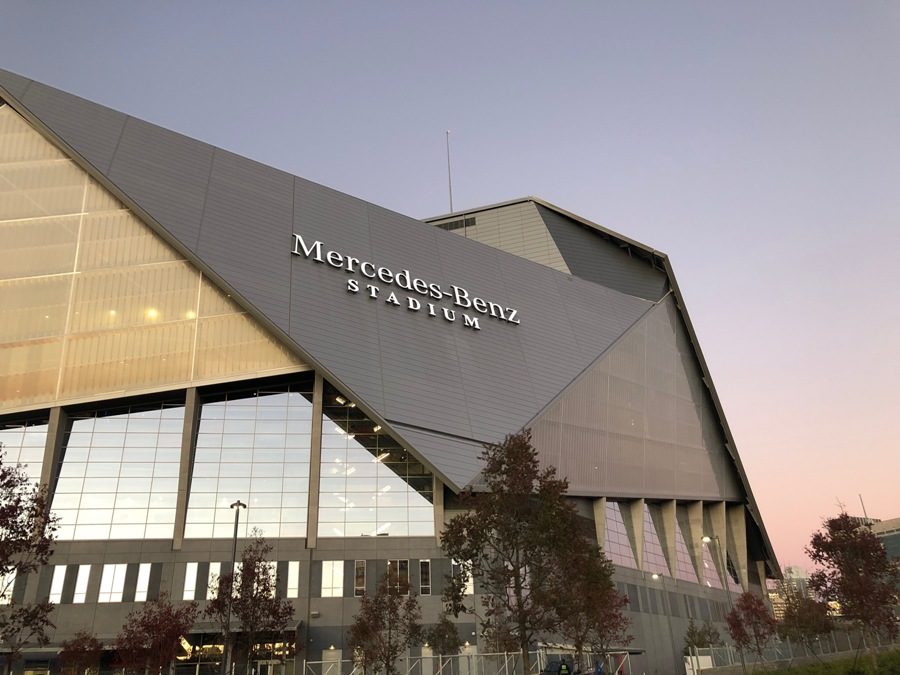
{"x":857,"y":574}
{"x":150,"y":638}
{"x":804,"y":619}
{"x":591,"y":611}
{"x":517,"y":531}
{"x":81,"y":654}
{"x":26,"y":539}
{"x":750,"y":623}
{"x":385,"y":626}
{"x":262,"y":616}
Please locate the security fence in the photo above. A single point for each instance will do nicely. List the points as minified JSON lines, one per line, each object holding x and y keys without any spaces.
{"x":837,"y":642}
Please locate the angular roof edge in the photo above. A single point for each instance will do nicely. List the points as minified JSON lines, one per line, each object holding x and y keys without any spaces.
{"x":661,"y":261}
{"x":656,"y":257}
{"x":158,"y":229}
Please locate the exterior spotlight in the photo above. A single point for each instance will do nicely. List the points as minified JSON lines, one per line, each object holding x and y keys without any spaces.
{"x":654,"y":576}
{"x":340,"y":399}
{"x":331,"y":648}
{"x":376,"y":428}
{"x":706,"y":539}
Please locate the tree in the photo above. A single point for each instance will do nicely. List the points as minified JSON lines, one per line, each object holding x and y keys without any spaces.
{"x":386,"y":625}
{"x":856,"y":573}
{"x":251,"y":593}
{"x":701,"y":637}
{"x":27,"y":531}
{"x":804,"y":619}
{"x":590,"y":609}
{"x":444,"y":639}
{"x":750,"y":623}
{"x":151,"y":635}
{"x":512,"y":540}
{"x":81,"y":654}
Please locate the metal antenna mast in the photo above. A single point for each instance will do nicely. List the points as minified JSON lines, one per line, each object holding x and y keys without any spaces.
{"x":449,"y":175}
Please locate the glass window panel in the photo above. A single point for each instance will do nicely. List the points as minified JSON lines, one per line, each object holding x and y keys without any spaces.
{"x":143,"y":582}
{"x":81,"y":584}
{"x":684,"y":566}
{"x":253,"y":463}
{"x":359,"y":467}
{"x":293,"y":580}
{"x":56,"y":584}
{"x":618,"y":544}
{"x":654,"y":559}
{"x":190,"y":581}
{"x":23,"y":443}
{"x":112,"y":583}
{"x":332,"y":578}
{"x":119,"y":486}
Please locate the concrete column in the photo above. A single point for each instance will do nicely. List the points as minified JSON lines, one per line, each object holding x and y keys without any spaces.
{"x":53,"y":450}
{"x":737,"y":542}
{"x":663,"y":516}
{"x":185,"y":470}
{"x":633,"y":515}
{"x":693,"y":537}
{"x":600,"y":521}
{"x":714,"y":514}
{"x":315,"y":462}
{"x":438,"y":492}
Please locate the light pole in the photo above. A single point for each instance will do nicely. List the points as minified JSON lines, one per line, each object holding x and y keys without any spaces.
{"x":662,"y":580}
{"x":226,"y":652}
{"x":706,"y":540}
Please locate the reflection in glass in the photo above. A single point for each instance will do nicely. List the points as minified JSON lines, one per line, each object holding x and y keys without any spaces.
{"x":710,"y":573}
{"x":253,"y":445}
{"x":654,"y":559}
{"x":369,"y":484}
{"x":118,"y":478}
{"x":684,"y":568}
{"x":618,"y":545}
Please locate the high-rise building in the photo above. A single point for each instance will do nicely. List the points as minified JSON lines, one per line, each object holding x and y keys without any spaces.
{"x":182,"y":328}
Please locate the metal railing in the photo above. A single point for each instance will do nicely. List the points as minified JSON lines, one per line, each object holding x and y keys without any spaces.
{"x":837,"y":642}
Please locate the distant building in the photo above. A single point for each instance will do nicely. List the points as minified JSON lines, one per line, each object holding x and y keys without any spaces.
{"x":795,"y":582}
{"x":888,"y":531}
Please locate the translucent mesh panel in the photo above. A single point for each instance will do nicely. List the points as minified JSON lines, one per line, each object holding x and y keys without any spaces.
{"x":654,"y":558}
{"x":38,"y":246}
{"x":20,"y":143}
{"x":92,"y":302}
{"x":618,"y":545}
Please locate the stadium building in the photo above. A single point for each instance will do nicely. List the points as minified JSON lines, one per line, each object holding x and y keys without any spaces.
{"x":182,"y":327}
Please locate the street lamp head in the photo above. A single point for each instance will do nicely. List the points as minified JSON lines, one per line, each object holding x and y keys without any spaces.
{"x":707,"y":538}
{"x":655,"y":576}
{"x":239,"y":505}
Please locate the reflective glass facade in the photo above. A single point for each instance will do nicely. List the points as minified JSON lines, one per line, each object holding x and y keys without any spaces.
{"x":254,"y":446}
{"x":369,"y":484}
{"x":118,"y":478}
{"x":618,"y":545}
{"x":654,"y":559}
{"x":684,"y":568}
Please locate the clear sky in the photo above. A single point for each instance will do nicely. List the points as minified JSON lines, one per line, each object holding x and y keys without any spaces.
{"x":758,"y":144}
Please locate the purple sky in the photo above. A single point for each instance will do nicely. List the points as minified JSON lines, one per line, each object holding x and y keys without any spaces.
{"x":758,"y":144}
